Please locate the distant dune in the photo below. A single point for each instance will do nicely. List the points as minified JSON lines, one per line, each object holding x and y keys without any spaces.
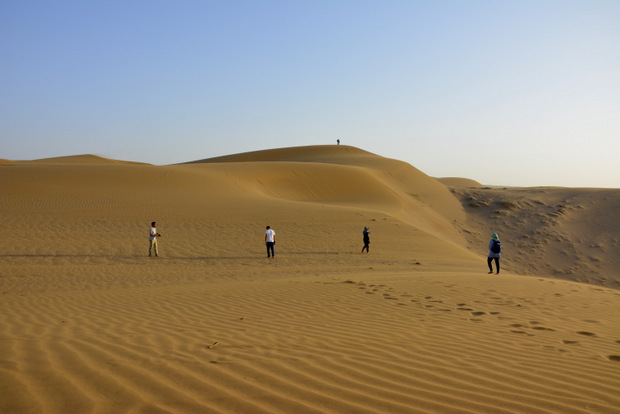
{"x":459,"y":182}
{"x":90,"y":324}
{"x":87,"y":159}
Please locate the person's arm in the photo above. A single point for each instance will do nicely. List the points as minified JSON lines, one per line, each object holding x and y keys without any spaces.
{"x":265,"y":237}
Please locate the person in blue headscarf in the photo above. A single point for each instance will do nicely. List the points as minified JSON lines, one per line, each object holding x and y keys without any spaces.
{"x":495,"y":253}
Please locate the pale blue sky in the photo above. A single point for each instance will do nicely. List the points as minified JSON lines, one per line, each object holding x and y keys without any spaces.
{"x":504,"y":92}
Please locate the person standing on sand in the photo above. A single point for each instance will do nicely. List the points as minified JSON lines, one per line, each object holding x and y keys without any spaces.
{"x":270,"y":241}
{"x":495,"y":253}
{"x":366,"y":240}
{"x":153,"y":235}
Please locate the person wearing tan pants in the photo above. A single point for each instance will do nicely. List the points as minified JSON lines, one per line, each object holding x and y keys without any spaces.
{"x":153,"y":235}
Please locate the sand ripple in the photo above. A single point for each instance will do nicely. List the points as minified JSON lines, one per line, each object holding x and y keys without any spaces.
{"x":308,"y":345}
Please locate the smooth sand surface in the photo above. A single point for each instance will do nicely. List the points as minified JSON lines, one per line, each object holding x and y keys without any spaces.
{"x":90,"y":324}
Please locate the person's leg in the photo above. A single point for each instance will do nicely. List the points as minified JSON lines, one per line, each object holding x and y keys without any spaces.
{"x":273,"y":250}
{"x":151,"y":246}
{"x":155,"y":246}
{"x":489,"y":262}
{"x":497,"y":264}
{"x":270,"y":249}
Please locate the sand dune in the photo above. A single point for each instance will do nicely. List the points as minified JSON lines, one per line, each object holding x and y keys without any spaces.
{"x":459,"y":182}
{"x":89,"y":324}
{"x":559,"y":232}
{"x":79,"y":159}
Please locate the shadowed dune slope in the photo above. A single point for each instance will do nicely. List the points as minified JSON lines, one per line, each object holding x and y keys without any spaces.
{"x":567,"y":233}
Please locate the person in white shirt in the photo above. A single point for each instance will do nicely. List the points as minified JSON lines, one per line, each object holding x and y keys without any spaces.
{"x":153,"y":235}
{"x":270,"y":241}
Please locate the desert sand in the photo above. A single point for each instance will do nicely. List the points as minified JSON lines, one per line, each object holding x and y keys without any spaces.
{"x":90,"y":324}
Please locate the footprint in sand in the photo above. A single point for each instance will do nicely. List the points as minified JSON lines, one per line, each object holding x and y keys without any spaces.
{"x":567,"y":342}
{"x":614,"y":357}
{"x":585,"y":333}
{"x":478,"y":313}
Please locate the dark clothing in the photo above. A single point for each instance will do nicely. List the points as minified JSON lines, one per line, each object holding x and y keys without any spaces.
{"x":366,"y":242}
{"x":270,"y":249}
{"x":492,"y":255}
{"x":490,"y":262}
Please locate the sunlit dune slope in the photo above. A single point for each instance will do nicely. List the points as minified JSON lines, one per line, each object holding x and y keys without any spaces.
{"x":349,"y":175}
{"x":314,"y":196}
{"x":90,"y":324}
{"x":340,"y":154}
{"x":311,"y":195}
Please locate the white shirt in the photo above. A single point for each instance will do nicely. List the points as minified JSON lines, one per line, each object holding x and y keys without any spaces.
{"x":270,"y":235}
{"x":153,"y":233}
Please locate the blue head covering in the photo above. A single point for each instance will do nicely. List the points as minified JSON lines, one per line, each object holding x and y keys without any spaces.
{"x":494,"y":236}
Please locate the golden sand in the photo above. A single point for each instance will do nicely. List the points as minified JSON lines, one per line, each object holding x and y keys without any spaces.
{"x":90,"y":324}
